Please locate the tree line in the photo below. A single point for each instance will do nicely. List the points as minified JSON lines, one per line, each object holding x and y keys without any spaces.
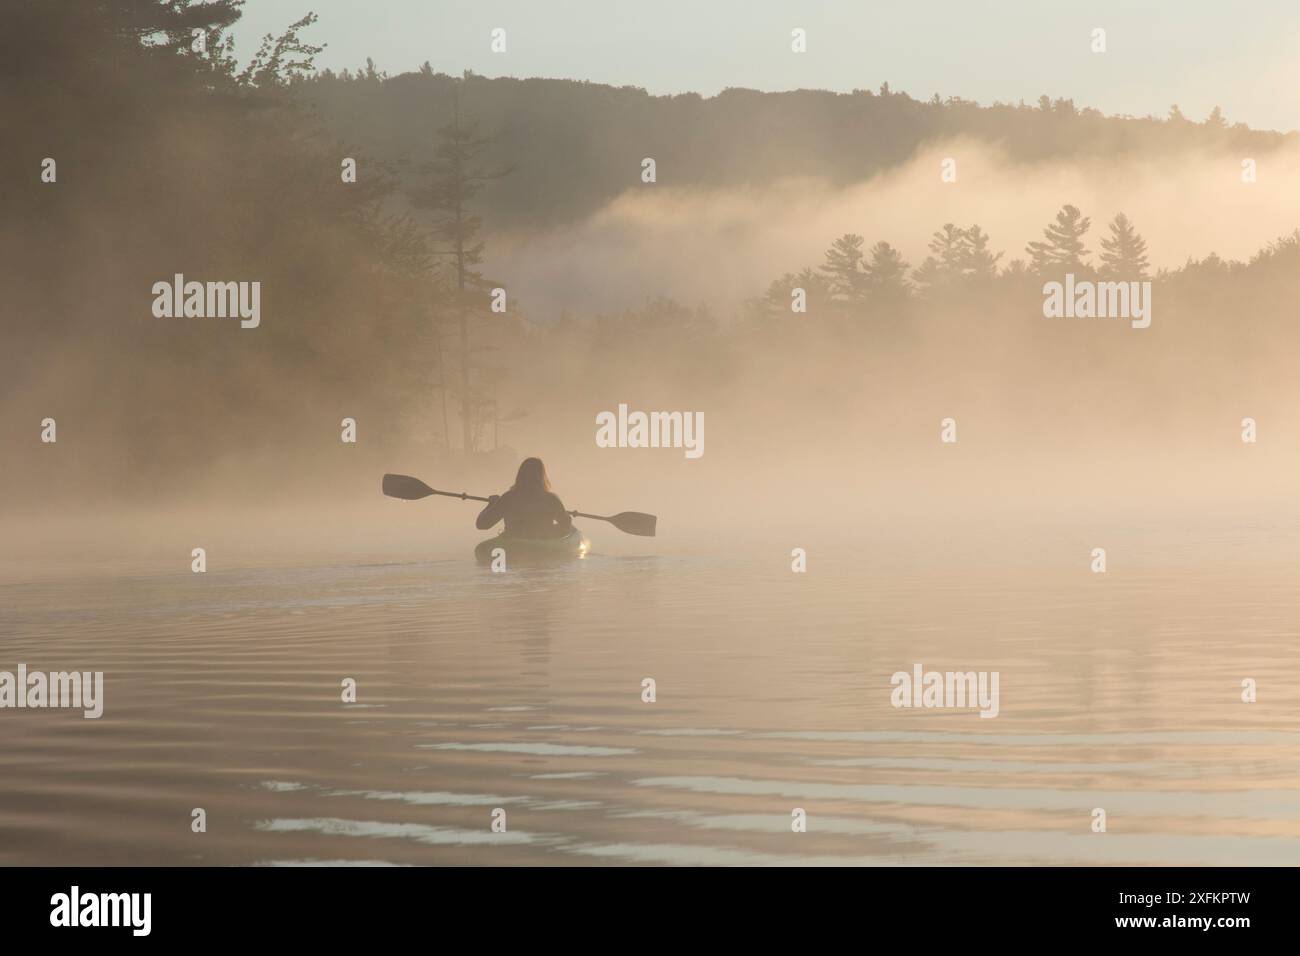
{"x":376,"y":304}
{"x":960,"y":260}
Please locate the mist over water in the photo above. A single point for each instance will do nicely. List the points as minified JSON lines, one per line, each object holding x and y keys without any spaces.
{"x":808,"y":421}
{"x":522,"y":690}
{"x":719,"y":246}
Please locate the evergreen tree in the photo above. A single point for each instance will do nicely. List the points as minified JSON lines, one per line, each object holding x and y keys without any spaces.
{"x":886,"y":273}
{"x":817,"y":289}
{"x":946,"y":262}
{"x":777,"y":299}
{"x":978,"y":264}
{"x":457,"y":177}
{"x":843,"y":268}
{"x":277,"y":62}
{"x":191,"y":163}
{"x":1124,"y":254}
{"x":1063,"y":251}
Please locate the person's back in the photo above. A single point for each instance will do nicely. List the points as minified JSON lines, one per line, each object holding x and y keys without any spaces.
{"x":530,"y":509}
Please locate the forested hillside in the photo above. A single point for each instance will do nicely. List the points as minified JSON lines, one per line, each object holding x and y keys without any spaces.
{"x":133,"y":156}
{"x":576,"y":145}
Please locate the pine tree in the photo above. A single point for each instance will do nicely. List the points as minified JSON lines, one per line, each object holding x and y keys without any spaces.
{"x":277,"y":62}
{"x":887,"y":272}
{"x":1064,"y":250}
{"x":777,"y":299}
{"x":843,"y":268}
{"x":978,"y":264}
{"x":816,"y":287}
{"x":457,"y":176}
{"x":1124,"y":254}
{"x":943,"y":267}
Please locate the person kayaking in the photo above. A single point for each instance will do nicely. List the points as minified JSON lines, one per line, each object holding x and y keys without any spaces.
{"x":530,"y":509}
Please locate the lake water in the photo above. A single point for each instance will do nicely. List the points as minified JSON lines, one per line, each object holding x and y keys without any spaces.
{"x":523,"y":691}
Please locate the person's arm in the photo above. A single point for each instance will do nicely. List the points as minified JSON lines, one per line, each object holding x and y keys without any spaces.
{"x":490,"y":515}
{"x":563,"y":520}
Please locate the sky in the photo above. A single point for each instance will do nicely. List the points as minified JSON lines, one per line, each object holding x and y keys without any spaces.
{"x":1238,"y":55}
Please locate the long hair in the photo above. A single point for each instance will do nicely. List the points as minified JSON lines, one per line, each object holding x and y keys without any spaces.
{"x":532,"y":476}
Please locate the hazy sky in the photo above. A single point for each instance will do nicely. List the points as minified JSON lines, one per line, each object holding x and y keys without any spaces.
{"x":1240,"y":55}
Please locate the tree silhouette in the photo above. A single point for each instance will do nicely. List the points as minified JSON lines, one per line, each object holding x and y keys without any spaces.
{"x":886,"y":273}
{"x":1124,"y":254}
{"x":978,"y":263}
{"x":958,"y":256}
{"x":843,"y":269}
{"x":283,"y":59}
{"x":817,"y":292}
{"x":1063,"y":251}
{"x":184,"y":166}
{"x":943,"y":267}
{"x":457,"y":176}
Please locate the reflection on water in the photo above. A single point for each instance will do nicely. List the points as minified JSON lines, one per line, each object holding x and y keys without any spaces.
{"x":522,"y":692}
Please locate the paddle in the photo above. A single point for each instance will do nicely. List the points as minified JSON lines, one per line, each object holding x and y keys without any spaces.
{"x":413,"y":489}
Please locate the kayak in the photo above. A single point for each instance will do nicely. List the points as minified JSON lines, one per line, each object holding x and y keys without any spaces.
{"x":572,"y":545}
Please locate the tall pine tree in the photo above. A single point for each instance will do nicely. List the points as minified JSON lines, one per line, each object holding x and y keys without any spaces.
{"x":1124,"y":254}
{"x":978,"y":264}
{"x":1063,"y":249}
{"x":887,"y":272}
{"x":843,"y":269}
{"x":456,"y":177}
{"x":943,"y":267}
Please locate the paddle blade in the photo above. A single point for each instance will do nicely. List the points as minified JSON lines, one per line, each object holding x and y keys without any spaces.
{"x":406,"y":487}
{"x":634,"y":522}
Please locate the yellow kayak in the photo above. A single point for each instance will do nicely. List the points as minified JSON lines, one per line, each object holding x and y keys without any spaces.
{"x":572,"y":545}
